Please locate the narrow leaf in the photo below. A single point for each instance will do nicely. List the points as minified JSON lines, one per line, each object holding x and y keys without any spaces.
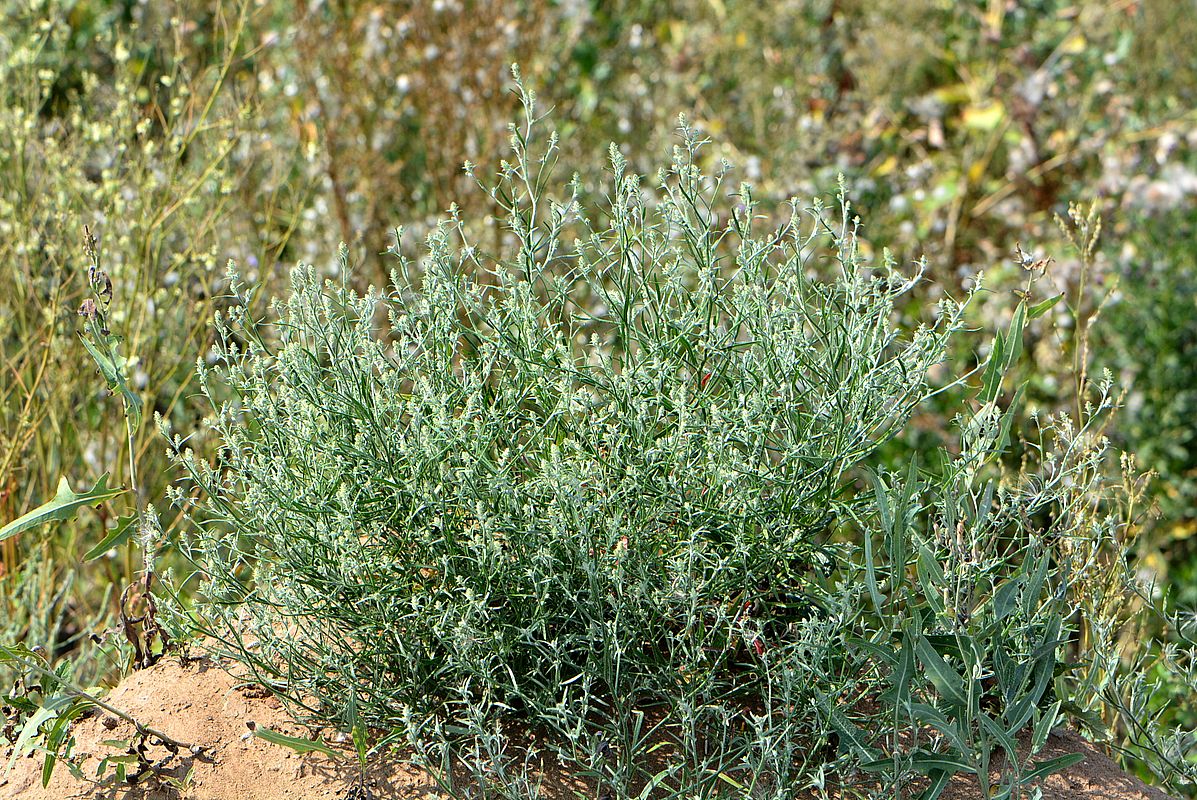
{"x":1014,"y":338}
{"x":360,"y":742}
{"x":723,"y":776}
{"x":885,"y":654}
{"x":991,"y":382}
{"x":1004,"y":738}
{"x":943,"y":677}
{"x":871,"y":573}
{"x":118,"y":535}
{"x":905,"y":669}
{"x":880,"y":495}
{"x":1039,"y":309}
{"x":1043,"y":726}
{"x":931,"y":578}
{"x":1030,"y":597}
{"x":1044,"y":768}
{"x":295,"y":743}
{"x":898,"y":544}
{"x":928,"y":763}
{"x":112,"y":366}
{"x":1019,"y":713}
{"x":1007,"y":422}
{"x":29,"y":732}
{"x":852,"y":738}
{"x":939,"y":782}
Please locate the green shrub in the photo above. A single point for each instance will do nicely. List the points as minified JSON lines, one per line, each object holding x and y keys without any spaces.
{"x":611,"y":485}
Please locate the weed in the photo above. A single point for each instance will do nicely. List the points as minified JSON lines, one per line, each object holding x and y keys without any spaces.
{"x":604,"y":489}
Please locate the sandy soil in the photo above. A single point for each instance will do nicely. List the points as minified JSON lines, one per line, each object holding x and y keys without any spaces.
{"x":199,"y":703}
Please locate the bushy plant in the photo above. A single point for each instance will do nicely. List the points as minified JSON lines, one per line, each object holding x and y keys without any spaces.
{"x":134,"y":118}
{"x":606,"y":494}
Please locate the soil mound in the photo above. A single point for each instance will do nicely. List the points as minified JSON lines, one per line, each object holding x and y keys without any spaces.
{"x":199,"y":703}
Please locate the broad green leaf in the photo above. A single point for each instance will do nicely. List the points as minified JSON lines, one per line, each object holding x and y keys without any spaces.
{"x":118,"y":535}
{"x":65,"y":505}
{"x":295,"y":743}
{"x":942,"y":676}
{"x":930,"y":715}
{"x":1006,"y":597}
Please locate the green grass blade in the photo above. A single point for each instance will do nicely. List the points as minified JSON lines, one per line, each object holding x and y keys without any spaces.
{"x":295,"y":743}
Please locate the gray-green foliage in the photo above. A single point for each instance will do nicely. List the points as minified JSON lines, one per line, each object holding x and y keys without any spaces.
{"x":610,"y":485}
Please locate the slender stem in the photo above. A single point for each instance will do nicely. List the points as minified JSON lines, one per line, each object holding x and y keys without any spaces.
{"x":80,"y":694}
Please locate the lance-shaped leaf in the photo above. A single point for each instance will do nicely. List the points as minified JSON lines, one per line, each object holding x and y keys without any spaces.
{"x":119,"y":534}
{"x":946,"y":680}
{"x":295,"y":743}
{"x":113,"y":367}
{"x":1039,"y":309}
{"x":65,"y":505}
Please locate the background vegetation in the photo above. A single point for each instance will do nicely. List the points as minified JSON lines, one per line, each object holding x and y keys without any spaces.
{"x":189,"y":133}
